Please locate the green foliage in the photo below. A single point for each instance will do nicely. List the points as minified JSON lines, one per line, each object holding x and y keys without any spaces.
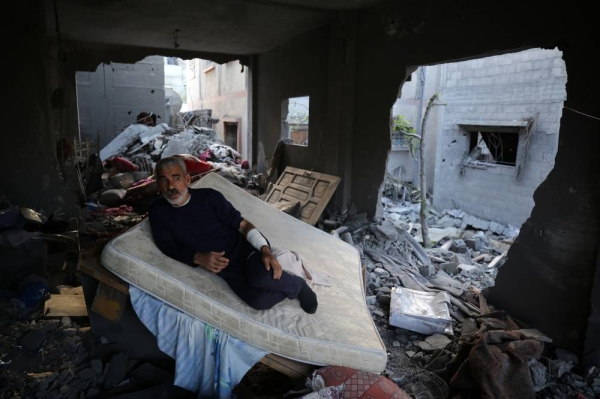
{"x":403,"y":134}
{"x":401,"y":125}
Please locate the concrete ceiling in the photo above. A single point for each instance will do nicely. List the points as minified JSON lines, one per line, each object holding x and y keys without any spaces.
{"x":241,"y":27}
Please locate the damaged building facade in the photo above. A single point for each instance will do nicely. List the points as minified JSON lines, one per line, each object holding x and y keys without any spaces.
{"x":494,"y":134}
{"x":348,"y":63}
{"x":111,"y":97}
{"x":224,"y":90}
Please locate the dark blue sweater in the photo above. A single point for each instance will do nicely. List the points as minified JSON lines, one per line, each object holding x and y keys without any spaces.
{"x":208,"y":222}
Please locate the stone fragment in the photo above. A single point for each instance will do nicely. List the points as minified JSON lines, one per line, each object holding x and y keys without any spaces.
{"x":69,"y":332}
{"x":33,"y":340}
{"x":86,"y":374}
{"x":438,"y":341}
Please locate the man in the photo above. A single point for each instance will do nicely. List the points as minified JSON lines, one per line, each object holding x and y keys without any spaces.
{"x":200,"y":227}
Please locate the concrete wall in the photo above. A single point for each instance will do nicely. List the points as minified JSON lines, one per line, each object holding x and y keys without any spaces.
{"x":424,"y":83}
{"x":319,"y":64}
{"x":111,"y":97}
{"x":32,"y":176}
{"x":502,"y":88}
{"x":223,"y":88}
{"x":176,"y":78}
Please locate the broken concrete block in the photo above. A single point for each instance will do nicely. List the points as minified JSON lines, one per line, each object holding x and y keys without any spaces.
{"x":396,"y":344}
{"x":496,"y":228}
{"x":410,"y":353}
{"x":33,"y":340}
{"x":481,"y":235}
{"x":474,"y":243}
{"x":459,"y":246}
{"x":425,"y":346}
{"x":449,"y":267}
{"x":381,"y":272}
{"x":481,"y":224}
{"x":447,"y":221}
{"x":387,"y":229}
{"x":469,"y":269}
{"x":469,"y":219}
{"x":464,"y":259}
{"x":438,"y":341}
{"x":399,"y":210}
{"x":457,"y":213}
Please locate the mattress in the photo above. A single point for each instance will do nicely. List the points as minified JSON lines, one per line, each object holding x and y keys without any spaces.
{"x":341,"y":332}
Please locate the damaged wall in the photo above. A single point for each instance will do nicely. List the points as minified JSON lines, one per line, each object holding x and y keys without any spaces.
{"x":319,"y":64}
{"x":31,"y":174}
{"x":527,"y":84}
{"x":547,"y":280}
{"x":110,"y":98}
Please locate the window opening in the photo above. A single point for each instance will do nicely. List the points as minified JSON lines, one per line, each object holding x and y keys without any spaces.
{"x":295,"y":119}
{"x":494,"y":147}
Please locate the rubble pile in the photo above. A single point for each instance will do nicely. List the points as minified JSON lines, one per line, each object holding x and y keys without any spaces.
{"x":47,"y":359}
{"x":464,"y":259}
{"x":61,"y":359}
{"x":119,"y":182}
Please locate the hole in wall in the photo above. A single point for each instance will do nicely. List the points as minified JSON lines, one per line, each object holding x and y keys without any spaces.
{"x":495,"y":135}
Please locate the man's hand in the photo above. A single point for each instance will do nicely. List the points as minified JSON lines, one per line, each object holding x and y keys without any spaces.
{"x":211,"y":261}
{"x":271,"y":262}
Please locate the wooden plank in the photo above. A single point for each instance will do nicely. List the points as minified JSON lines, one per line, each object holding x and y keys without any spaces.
{"x":89,"y":263}
{"x":109,"y":302}
{"x":291,"y":368}
{"x":65,"y":305}
{"x":497,"y":259}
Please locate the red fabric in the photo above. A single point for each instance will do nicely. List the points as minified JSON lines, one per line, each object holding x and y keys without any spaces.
{"x":194,"y":165}
{"x":360,"y":384}
{"x":245,"y":165}
{"x":206,"y":155}
{"x":123,"y":165}
{"x":120,"y":210}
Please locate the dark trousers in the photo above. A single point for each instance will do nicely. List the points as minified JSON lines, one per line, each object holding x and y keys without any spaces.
{"x":248,"y":278}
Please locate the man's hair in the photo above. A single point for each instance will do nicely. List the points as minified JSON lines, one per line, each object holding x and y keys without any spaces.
{"x":169,"y":162}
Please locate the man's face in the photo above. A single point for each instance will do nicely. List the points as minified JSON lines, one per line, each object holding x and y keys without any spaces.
{"x":173,"y":184}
